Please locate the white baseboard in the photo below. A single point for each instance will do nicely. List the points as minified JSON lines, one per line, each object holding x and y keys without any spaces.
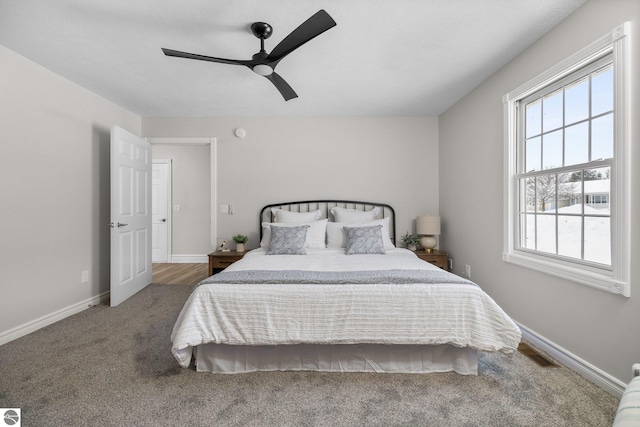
{"x":189,"y":259}
{"x":583,"y":368}
{"x":34,"y":325}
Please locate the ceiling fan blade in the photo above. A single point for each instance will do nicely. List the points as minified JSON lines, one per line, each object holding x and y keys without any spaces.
{"x":178,"y":54}
{"x":283,"y":87}
{"x":312,"y":27}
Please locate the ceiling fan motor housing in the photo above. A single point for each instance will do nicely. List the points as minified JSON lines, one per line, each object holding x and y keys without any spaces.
{"x":261,"y":30}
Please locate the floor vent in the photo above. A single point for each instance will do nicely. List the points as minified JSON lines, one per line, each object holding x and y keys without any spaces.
{"x":537,"y":357}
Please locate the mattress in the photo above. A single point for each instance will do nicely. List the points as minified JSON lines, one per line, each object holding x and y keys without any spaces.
{"x":455,"y":312}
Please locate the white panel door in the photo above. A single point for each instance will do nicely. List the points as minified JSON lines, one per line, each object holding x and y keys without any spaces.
{"x":130,"y":215}
{"x":160,"y":187}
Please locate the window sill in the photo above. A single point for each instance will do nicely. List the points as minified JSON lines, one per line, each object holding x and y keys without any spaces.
{"x":583,"y":275}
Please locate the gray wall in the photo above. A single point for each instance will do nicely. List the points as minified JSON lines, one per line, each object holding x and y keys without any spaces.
{"x":191,"y":189}
{"x":384,"y":159}
{"x":599,"y":327}
{"x":54,"y":187}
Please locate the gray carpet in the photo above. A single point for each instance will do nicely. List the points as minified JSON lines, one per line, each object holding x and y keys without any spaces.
{"x":113,"y":366}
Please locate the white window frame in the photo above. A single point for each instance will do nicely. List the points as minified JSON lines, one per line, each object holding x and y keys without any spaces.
{"x":616,"y":280}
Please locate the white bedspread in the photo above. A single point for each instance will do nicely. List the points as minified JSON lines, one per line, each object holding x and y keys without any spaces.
{"x":260,"y":314}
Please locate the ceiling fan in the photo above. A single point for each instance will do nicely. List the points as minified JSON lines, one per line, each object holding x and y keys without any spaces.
{"x":264,"y":63}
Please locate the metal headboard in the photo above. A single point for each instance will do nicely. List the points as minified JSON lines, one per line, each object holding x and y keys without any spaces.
{"x":325,"y":207}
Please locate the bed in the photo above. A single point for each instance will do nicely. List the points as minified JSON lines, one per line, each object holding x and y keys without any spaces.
{"x":327,"y":290}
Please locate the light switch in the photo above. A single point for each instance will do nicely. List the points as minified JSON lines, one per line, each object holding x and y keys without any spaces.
{"x":224,"y":209}
{"x":177,"y":208}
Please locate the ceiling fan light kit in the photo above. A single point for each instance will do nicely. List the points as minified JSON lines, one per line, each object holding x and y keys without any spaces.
{"x":263,"y":63}
{"x":263,"y":70}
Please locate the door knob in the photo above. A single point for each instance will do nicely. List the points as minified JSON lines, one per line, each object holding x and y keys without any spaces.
{"x":164,"y":220}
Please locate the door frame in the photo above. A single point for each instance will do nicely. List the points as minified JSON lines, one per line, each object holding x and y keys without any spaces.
{"x":213,"y":159}
{"x":169,"y":164}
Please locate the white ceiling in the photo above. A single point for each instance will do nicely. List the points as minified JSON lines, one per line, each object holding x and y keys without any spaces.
{"x":384,"y":57}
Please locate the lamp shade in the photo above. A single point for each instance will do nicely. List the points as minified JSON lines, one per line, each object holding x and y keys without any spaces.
{"x":428,"y":225}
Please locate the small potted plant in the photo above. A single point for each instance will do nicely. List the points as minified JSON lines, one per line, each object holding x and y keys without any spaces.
{"x":240,"y":240}
{"x":411,"y":241}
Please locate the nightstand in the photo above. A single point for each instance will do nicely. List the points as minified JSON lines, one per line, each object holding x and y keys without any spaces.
{"x":219,"y":260}
{"x":436,"y":257}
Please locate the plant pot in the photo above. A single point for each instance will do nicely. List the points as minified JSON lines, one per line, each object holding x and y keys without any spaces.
{"x":239,"y":247}
{"x":412,"y":247}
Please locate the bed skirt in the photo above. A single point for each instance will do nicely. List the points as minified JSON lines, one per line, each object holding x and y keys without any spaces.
{"x":379,"y":358}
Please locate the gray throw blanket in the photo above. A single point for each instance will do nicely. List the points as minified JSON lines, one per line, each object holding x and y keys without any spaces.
{"x":292,"y":277}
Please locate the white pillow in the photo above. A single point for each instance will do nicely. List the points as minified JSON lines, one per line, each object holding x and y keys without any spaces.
{"x":281,"y":215}
{"x":354,"y":215}
{"x":336,"y":237}
{"x":316,"y":233}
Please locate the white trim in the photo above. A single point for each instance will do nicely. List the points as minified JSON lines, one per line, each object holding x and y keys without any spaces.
{"x":180,"y":141}
{"x":189,"y":259}
{"x":583,"y":368}
{"x":56,"y":316}
{"x":213,"y":156}
{"x":576,"y":61}
{"x":621,"y":190}
{"x":567,"y":270}
{"x":617,"y":41}
{"x":509,"y":190}
{"x":213,"y":152}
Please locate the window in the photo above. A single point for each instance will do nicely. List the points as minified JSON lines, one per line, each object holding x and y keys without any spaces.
{"x":566,"y":143}
{"x":566,"y":169}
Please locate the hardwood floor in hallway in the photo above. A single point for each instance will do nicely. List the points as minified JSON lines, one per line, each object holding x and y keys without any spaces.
{"x":179,"y":274}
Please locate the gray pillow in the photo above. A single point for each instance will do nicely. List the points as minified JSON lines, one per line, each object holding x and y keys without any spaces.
{"x":287,"y":240}
{"x":364,"y":240}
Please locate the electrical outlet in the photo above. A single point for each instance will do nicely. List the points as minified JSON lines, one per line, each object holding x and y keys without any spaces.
{"x":467,"y":271}
{"x":451,"y":264}
{"x":85,"y":276}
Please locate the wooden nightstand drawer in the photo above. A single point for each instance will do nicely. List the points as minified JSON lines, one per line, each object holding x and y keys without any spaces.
{"x":219,"y":260}
{"x":435,"y":257}
{"x":224,"y":262}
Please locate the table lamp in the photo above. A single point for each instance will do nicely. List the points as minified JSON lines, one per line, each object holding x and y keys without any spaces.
{"x":427,"y":227}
